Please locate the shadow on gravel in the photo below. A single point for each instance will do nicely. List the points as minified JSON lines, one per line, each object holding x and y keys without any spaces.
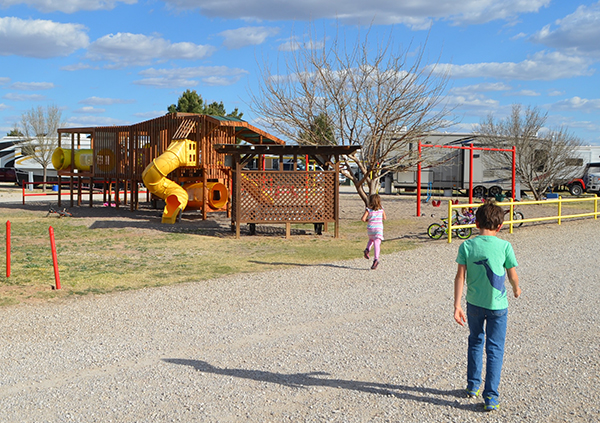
{"x":146,"y":217}
{"x":302,"y":380}
{"x":277,"y":263}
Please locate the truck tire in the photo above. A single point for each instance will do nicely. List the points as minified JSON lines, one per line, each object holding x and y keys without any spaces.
{"x":479,"y":191}
{"x":576,"y":190}
{"x":494,"y":191}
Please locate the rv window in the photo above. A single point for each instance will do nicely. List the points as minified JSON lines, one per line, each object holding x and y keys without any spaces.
{"x":574,"y":162}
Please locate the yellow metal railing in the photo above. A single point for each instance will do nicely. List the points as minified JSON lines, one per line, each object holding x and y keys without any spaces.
{"x":511,"y":205}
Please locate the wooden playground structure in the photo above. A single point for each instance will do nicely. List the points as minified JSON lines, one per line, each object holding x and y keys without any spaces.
{"x":197,"y":161}
{"x":122,"y":153}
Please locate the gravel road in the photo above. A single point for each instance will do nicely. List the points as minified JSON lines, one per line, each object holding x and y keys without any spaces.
{"x":335,"y":342}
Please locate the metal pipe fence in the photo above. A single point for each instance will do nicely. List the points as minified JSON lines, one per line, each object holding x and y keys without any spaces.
{"x":511,"y":204}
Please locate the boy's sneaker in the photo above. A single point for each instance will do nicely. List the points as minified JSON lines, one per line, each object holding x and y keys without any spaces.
{"x":472,"y":393}
{"x":366,"y":254}
{"x":375,"y":263}
{"x":491,"y":404}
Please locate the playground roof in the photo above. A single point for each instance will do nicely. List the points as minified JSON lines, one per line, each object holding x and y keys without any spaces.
{"x":243,"y":130}
{"x":300,"y":150}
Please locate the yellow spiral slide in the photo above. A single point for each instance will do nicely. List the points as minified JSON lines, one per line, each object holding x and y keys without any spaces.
{"x":155,"y":178}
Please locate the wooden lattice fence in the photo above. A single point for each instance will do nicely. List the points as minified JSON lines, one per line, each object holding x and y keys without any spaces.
{"x":303,"y":197}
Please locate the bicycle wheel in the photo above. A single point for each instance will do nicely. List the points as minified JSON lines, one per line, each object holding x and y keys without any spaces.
{"x":518,"y":216}
{"x":435,"y":231}
{"x":463,"y":233}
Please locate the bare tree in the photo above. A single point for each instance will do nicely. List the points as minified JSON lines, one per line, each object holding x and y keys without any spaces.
{"x":374,"y":97}
{"x":40,"y":130}
{"x":542,"y":161}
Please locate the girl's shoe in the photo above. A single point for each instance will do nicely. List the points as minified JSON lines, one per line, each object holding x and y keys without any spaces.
{"x":366,"y":254}
{"x":375,"y":263}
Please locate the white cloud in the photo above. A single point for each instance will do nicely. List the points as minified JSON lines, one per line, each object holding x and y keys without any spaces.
{"x":4,"y":106}
{"x":87,"y":121}
{"x":31,"y":86}
{"x":150,"y":114}
{"x":578,"y":104}
{"x":417,"y":15}
{"x":557,"y":120}
{"x":462,"y":127}
{"x":66,"y":6}
{"x":479,"y":88}
{"x":545,"y":66}
{"x":518,"y":36}
{"x":4,"y":80}
{"x":76,"y":67}
{"x":555,"y":93}
{"x":40,"y":38}
{"x":472,"y":102}
{"x":24,"y":97}
{"x":89,"y":110}
{"x":294,"y":43}
{"x":100,"y":101}
{"x":126,"y":49}
{"x":190,"y":77}
{"x":247,"y":36}
{"x":577,"y":33}
{"x":526,"y":93}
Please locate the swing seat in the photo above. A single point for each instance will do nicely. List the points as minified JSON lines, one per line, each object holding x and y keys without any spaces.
{"x":436,"y":203}
{"x":455,"y":201}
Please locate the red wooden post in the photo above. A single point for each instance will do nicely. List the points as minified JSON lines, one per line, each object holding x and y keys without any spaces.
{"x":8,"y":248}
{"x":471,"y":173}
{"x":419,"y":183}
{"x":54,"y":258}
{"x":514,"y":172}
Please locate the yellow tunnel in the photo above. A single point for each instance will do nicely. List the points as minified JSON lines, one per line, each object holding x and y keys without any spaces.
{"x":61,"y":159}
{"x":155,"y":178}
{"x":216,"y":199}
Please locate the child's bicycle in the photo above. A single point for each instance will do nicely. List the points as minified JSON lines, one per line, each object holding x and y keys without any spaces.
{"x":517,"y":215}
{"x":61,"y":213}
{"x":436,"y":230}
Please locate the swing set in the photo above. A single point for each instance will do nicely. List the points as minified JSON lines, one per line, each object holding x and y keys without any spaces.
{"x":453,"y":180}
{"x":471,"y":149}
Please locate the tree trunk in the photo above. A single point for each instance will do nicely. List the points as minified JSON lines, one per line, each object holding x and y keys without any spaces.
{"x":44,"y":179}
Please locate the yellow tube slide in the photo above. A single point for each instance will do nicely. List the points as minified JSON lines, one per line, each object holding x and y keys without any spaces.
{"x":61,"y":159}
{"x":217,"y":195}
{"x":155,"y":179}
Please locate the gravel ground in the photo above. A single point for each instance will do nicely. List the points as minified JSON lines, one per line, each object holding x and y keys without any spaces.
{"x":335,"y":342}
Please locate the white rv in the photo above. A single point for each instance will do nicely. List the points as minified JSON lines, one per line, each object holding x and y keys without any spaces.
{"x":448,"y":169}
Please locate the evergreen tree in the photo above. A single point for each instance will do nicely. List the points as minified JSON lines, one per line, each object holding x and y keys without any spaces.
{"x":191,"y":102}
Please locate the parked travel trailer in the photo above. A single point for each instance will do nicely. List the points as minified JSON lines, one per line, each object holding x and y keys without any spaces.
{"x":449,"y":169}
{"x":9,"y":152}
{"x":16,"y":167}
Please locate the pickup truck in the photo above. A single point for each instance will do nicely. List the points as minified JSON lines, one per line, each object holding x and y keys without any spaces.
{"x":589,"y":182}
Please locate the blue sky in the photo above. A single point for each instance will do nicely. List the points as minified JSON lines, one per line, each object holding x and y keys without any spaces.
{"x":116,"y":62}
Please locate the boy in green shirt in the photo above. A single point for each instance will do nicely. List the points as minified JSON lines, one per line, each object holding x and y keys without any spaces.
{"x":482,"y":261}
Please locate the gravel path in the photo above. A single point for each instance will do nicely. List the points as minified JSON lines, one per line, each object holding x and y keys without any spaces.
{"x":334,"y":342}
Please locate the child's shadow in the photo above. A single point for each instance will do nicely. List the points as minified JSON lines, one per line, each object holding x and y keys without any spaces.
{"x":301,"y":380}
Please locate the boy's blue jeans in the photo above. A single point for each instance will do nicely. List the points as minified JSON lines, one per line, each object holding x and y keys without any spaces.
{"x":493,"y":335}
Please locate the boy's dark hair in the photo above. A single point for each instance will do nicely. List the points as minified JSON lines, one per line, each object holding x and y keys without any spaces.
{"x":489,"y":215}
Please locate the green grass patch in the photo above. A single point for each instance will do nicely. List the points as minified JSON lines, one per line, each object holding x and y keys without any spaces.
{"x":99,"y":261}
